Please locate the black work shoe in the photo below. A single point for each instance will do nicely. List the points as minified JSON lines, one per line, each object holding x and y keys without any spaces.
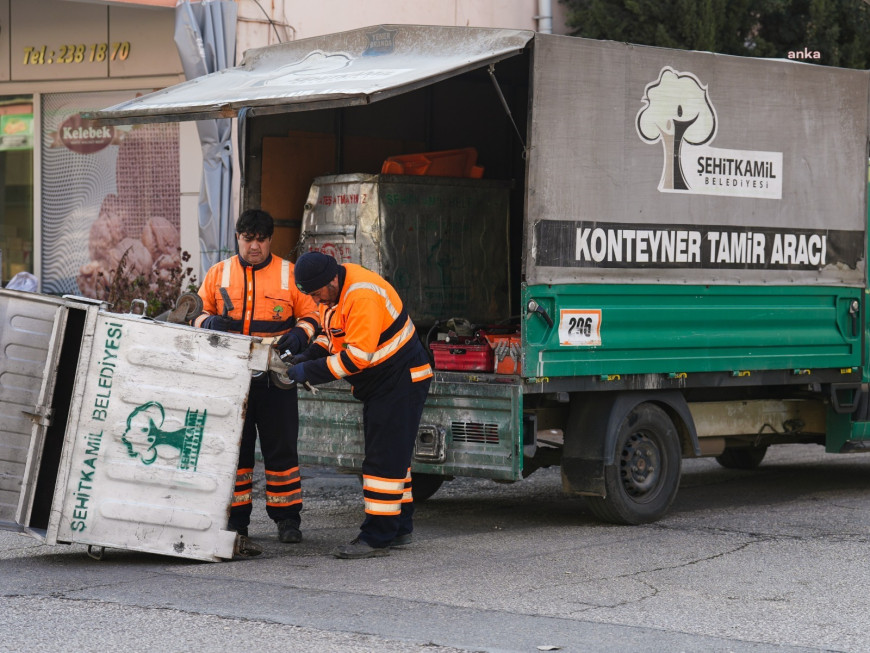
{"x":359,"y":549}
{"x":241,"y":530}
{"x":288,"y":532}
{"x":402,"y":540}
{"x":245,"y":548}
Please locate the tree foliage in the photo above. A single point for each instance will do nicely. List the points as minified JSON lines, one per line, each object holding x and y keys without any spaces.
{"x":839,"y":30}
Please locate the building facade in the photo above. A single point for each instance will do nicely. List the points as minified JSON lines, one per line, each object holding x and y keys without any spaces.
{"x":78,"y":202}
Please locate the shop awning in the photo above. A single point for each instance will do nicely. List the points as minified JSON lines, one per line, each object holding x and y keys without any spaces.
{"x":345,"y":69}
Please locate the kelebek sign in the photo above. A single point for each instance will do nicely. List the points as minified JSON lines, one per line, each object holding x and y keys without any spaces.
{"x":82,"y":136}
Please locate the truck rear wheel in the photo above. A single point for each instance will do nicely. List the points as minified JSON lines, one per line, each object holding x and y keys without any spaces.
{"x":424,"y":486}
{"x":645,"y":476}
{"x":742,"y":457}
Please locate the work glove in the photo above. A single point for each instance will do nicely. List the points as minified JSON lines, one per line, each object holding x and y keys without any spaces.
{"x":289,"y":342}
{"x":301,"y":357}
{"x":297,"y":373}
{"x":217,"y":322}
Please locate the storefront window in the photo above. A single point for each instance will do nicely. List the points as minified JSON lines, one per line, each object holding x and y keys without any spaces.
{"x":110,"y":199}
{"x":16,"y":186}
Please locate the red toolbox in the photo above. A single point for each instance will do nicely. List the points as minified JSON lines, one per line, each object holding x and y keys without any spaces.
{"x":472,"y":357}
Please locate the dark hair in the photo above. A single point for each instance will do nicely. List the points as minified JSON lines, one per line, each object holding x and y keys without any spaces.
{"x":256,"y":222}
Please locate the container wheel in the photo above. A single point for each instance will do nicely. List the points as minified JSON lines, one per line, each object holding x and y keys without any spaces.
{"x":424,"y":486}
{"x":187,"y":306}
{"x":281,"y":380}
{"x":645,"y":476}
{"x":742,"y":457}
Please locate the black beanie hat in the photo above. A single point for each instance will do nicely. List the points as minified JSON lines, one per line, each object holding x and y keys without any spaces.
{"x":314,"y":270}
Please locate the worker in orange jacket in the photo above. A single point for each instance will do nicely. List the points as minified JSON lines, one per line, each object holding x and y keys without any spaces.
{"x":265,"y":302}
{"x":369,"y":340}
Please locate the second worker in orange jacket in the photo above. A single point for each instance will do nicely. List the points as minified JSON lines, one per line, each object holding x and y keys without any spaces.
{"x":369,"y":340}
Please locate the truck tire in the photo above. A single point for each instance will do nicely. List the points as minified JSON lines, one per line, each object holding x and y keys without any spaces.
{"x":424,"y":486}
{"x":742,"y":457}
{"x":645,"y":476}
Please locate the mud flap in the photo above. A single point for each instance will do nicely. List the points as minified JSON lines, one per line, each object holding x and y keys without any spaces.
{"x":593,"y":424}
{"x":583,"y":476}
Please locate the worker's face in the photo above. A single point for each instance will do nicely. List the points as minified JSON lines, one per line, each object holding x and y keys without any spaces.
{"x":253,"y":248}
{"x":327,"y":295}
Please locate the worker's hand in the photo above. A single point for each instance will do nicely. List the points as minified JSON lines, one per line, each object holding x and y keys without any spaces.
{"x":289,"y":342}
{"x":217,"y":322}
{"x":297,"y":373}
{"x":289,"y":358}
{"x":301,"y":357}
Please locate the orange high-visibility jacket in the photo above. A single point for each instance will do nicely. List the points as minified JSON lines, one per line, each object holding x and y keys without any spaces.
{"x":265,"y":299}
{"x":367,"y":329}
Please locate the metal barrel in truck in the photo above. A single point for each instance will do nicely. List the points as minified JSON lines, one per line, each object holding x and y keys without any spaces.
{"x":655,"y":254}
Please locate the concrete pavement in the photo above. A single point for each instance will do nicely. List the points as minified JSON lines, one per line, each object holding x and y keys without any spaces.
{"x":746,"y":561}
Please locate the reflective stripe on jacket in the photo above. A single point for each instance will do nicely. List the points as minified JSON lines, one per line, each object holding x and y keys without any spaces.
{"x":265,"y":299}
{"x":366,"y":331}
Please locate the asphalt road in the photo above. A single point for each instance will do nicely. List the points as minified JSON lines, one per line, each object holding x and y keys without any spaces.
{"x":770,"y":560}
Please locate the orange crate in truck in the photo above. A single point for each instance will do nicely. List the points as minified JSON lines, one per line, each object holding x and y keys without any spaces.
{"x":444,"y":163}
{"x":506,"y":352}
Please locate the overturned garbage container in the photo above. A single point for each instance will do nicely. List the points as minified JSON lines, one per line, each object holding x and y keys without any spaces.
{"x":119,"y":431}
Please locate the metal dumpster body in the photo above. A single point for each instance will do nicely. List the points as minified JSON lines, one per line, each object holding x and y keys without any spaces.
{"x":119,"y":431}
{"x":441,"y":241}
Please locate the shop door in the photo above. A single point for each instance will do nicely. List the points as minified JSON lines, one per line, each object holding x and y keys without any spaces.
{"x":16,"y":186}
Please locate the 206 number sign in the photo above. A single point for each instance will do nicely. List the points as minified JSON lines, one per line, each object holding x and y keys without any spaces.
{"x":580,"y":327}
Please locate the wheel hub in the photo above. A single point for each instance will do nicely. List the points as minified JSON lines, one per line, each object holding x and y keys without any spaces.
{"x":640,"y":465}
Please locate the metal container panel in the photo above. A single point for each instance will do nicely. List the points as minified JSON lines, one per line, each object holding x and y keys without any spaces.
{"x":441,"y":241}
{"x":641,"y":329}
{"x":29,"y":324}
{"x":153,"y":438}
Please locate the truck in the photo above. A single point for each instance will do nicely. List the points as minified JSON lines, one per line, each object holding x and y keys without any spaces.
{"x":646,"y":254}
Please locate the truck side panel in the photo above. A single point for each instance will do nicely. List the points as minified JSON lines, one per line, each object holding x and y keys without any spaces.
{"x":656,"y":166}
{"x":638,"y":329}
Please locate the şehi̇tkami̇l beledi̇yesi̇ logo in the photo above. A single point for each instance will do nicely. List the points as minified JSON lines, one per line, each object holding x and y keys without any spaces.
{"x":678,"y":113}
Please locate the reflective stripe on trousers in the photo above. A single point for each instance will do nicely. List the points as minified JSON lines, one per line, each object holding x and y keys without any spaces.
{"x":390,"y":422}
{"x":385,"y":496}
{"x":283,"y":488}
{"x":272,"y":418}
{"x":244,"y":486}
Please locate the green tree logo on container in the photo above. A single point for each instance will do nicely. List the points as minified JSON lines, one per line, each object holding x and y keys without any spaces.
{"x":145,"y":434}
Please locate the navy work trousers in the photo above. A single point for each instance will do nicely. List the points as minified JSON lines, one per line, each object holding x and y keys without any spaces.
{"x":273,"y":414}
{"x":391,"y":417}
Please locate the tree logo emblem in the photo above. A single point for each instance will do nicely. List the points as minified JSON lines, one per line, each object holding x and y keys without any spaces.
{"x":676,"y":111}
{"x":149,"y":434}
